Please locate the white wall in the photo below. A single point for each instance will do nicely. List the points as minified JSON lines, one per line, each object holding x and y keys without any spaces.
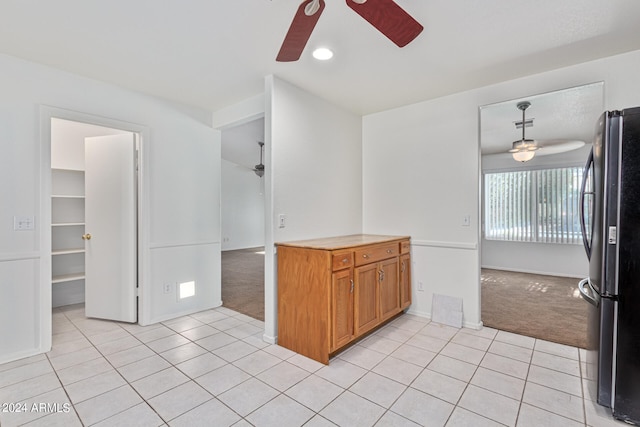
{"x":421,"y":173}
{"x":314,"y":174}
{"x":181,"y":202}
{"x":242,"y":207}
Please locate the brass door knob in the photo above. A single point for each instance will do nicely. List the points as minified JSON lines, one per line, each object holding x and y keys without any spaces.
{"x":86,"y":236}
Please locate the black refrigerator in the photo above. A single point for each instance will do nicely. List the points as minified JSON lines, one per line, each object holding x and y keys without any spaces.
{"x":611,"y":232}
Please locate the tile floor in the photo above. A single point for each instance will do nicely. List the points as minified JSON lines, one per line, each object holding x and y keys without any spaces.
{"x":213,"y":369}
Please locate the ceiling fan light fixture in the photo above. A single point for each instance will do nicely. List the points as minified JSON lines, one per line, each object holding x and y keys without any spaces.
{"x":525,"y":149}
{"x":259,"y":168}
{"x":523,"y":156}
{"x":323,"y":54}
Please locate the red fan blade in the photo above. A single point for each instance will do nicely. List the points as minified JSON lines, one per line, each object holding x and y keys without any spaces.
{"x":299,"y":33}
{"x":390,"y":19}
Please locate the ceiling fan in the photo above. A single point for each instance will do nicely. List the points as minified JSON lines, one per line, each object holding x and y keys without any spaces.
{"x":525,"y":149}
{"x":385,"y":15}
{"x":259,"y":168}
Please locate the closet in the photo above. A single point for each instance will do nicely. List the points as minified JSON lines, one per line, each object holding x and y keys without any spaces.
{"x":93,"y":219}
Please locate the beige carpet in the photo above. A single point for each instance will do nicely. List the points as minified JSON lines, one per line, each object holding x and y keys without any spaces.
{"x":539,"y":306}
{"x":243,"y":281}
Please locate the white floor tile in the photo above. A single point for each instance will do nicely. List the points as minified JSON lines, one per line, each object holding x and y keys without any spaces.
{"x":140,"y":415}
{"x":248,"y":396}
{"x":473,"y":341}
{"x":200,"y":365}
{"x":515,"y":339}
{"x":439,"y":385}
{"x":419,"y":407}
{"x":464,"y":353}
{"x":202,"y":416}
{"x":398,"y":370}
{"x":511,"y":351}
{"x":179,"y":400}
{"x":106,"y":405}
{"x":391,"y":419}
{"x":463,"y":418}
{"x":143,"y":368}
{"x":341,"y":373}
{"x":182,"y":353}
{"x":500,"y":383}
{"x":455,"y":368}
{"x":557,"y":363}
{"x":414,"y":355}
{"x":349,"y":409}
{"x":159,"y":382}
{"x":556,"y":380}
{"x":428,"y":374}
{"x":490,"y":405}
{"x":222,"y":379}
{"x":283,"y":375}
{"x":314,"y":392}
{"x":93,"y":386}
{"x":257,"y":362}
{"x":378,"y":389}
{"x":555,"y":401}
{"x":530,"y":416}
{"x":280,"y":412}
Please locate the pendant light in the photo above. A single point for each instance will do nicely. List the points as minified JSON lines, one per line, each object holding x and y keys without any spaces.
{"x":525,"y":149}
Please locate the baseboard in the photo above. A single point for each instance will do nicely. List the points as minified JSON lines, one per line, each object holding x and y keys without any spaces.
{"x":270,"y":339}
{"x":465,"y":324}
{"x":544,"y":273}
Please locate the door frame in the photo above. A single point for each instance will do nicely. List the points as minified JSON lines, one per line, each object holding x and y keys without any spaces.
{"x":143,"y":135}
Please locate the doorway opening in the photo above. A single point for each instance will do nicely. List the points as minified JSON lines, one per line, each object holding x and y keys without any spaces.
{"x":93,"y":201}
{"x":243,"y":218}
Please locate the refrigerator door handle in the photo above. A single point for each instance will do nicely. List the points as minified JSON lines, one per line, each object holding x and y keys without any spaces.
{"x":587,"y":295}
{"x":583,"y":193}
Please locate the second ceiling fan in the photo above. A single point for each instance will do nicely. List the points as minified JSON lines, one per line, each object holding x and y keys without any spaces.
{"x":385,"y":15}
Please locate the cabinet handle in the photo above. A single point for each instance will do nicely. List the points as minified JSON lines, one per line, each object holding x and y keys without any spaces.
{"x":346,"y":260}
{"x":402,"y":267}
{"x":86,"y":236}
{"x":389,"y":251}
{"x":380,"y":275}
{"x":365,"y":256}
{"x":351,"y":286}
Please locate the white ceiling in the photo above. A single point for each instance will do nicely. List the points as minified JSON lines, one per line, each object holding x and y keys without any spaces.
{"x":213,"y":53}
{"x":568,"y":114}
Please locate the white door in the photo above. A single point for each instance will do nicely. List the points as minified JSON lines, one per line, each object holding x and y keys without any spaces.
{"x":110,"y":228}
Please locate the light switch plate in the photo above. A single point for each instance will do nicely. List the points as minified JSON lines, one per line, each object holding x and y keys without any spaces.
{"x":24,"y":223}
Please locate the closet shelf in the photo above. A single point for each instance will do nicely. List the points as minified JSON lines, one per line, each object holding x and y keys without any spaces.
{"x":67,"y":278}
{"x":67,"y":251}
{"x":67,"y":224}
{"x":66,"y":196}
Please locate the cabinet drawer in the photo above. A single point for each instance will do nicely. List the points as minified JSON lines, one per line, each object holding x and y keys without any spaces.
{"x":376,"y":253}
{"x":405,"y":247}
{"x":341,"y":260}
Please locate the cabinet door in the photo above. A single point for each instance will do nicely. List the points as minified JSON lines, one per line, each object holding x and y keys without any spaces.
{"x":389,"y":288}
{"x":366,"y":297}
{"x":405,"y":281}
{"x":341,"y":308}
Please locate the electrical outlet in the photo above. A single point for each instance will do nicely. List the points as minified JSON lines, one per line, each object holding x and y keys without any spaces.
{"x":167,"y":288}
{"x":420,"y":287}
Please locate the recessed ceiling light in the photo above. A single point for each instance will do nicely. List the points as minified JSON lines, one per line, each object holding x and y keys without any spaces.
{"x":322,"y":53}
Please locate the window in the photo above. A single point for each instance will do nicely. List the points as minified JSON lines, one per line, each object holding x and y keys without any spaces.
{"x":533,"y":206}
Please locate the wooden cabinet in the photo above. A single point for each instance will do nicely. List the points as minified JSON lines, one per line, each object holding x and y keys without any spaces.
{"x":332,"y":291}
{"x":405,"y":281}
